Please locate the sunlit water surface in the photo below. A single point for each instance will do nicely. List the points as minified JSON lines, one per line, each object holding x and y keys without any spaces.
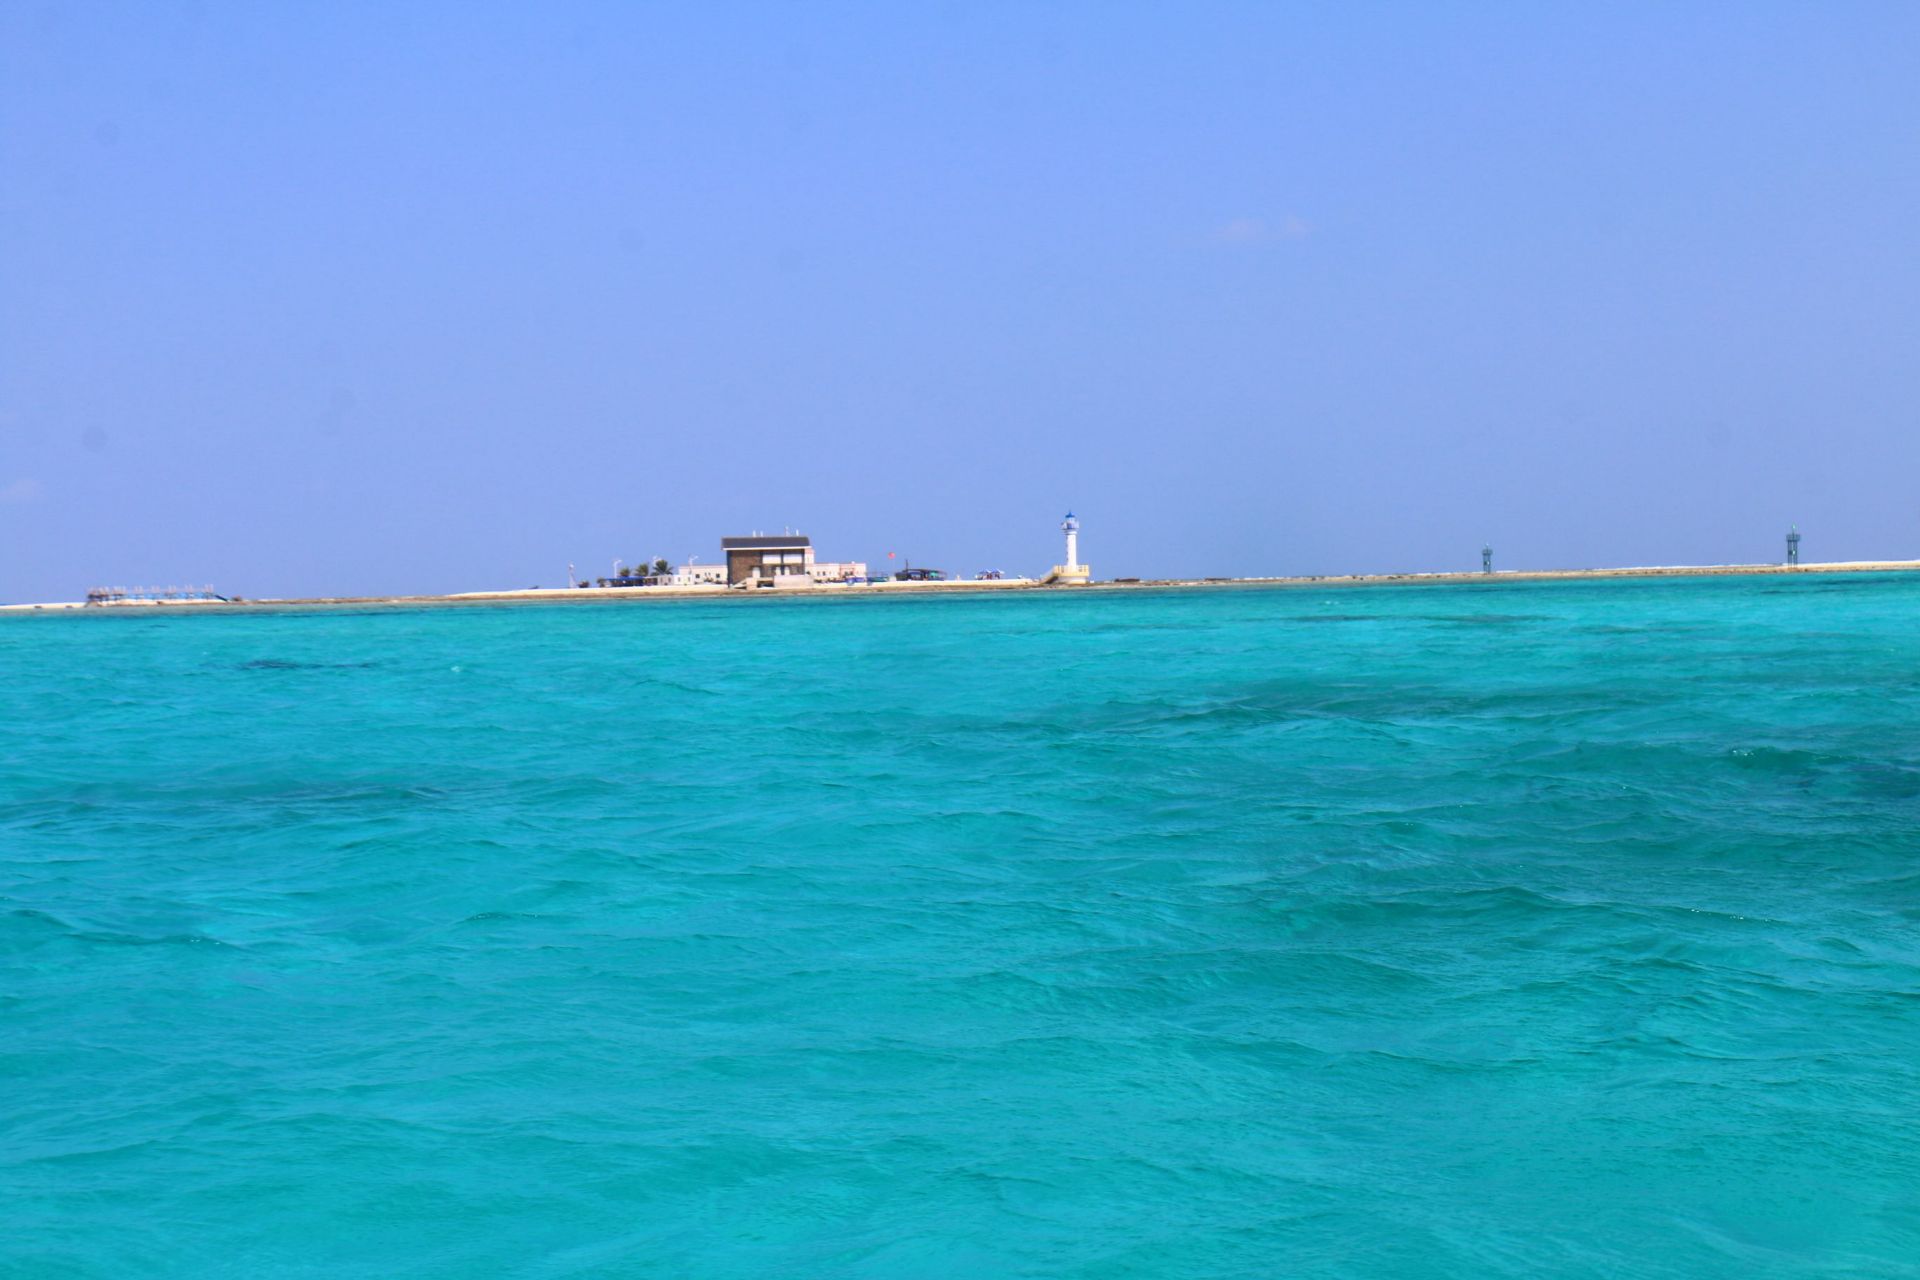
{"x":1524,"y":930}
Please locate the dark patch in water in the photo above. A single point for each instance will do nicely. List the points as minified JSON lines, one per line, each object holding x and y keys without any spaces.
{"x":1492,"y":619}
{"x":1649,"y":629}
{"x":281,"y":664}
{"x":1835,"y":583}
{"x":1334,"y":617}
{"x":1894,"y":782}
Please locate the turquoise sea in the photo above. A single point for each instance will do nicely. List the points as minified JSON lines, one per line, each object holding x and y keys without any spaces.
{"x":1516,"y":930}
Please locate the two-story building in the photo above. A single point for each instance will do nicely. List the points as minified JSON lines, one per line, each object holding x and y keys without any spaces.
{"x":782,"y":560}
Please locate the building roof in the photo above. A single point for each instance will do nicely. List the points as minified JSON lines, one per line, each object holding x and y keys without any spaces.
{"x":760,"y":543}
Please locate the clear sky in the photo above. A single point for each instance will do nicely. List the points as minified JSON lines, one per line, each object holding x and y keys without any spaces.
{"x":337,"y":297}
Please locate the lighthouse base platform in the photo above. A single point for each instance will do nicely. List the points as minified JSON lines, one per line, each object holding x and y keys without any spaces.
{"x":1069,"y":575}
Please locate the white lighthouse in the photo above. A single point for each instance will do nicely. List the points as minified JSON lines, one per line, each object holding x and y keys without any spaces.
{"x":1072,"y":570}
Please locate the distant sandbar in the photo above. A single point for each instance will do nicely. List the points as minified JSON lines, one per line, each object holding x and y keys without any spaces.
{"x":874,"y":590}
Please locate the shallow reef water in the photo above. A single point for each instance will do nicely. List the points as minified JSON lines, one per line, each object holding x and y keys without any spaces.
{"x":1564,"y":929}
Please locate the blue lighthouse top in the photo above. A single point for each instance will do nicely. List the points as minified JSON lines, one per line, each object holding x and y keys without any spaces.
{"x":1069,"y":522}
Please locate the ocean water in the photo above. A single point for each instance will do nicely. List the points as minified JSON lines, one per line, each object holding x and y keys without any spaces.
{"x":1517,"y":930}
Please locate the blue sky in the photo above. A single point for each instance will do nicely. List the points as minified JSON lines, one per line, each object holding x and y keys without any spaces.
{"x":351,"y":297}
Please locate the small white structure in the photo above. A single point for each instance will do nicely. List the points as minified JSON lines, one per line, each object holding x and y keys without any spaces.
{"x":1072,"y":571}
{"x":817,"y":573}
{"x":836,"y":570}
{"x":696,"y":575}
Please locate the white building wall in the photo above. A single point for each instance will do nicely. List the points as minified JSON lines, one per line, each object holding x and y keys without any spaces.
{"x":836,"y":570}
{"x":699,"y":575}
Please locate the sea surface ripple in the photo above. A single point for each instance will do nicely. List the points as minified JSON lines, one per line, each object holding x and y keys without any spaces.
{"x":1528,"y":930}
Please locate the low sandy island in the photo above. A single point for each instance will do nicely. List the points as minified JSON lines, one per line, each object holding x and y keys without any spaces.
{"x":873,"y":590}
